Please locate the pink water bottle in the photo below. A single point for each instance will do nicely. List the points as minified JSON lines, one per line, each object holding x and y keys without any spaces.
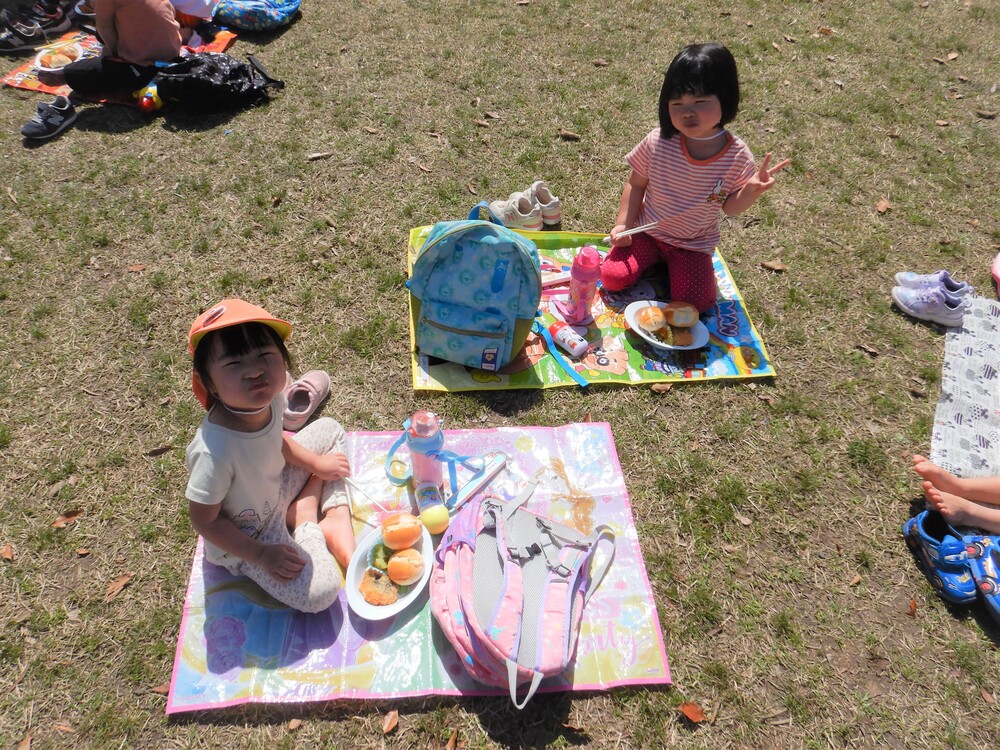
{"x":582,"y":286}
{"x":424,"y":438}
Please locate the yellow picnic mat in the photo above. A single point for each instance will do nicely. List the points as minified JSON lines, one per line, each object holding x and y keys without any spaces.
{"x":735,"y":350}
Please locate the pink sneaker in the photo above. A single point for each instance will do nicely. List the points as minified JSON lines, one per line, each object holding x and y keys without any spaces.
{"x":303,"y":396}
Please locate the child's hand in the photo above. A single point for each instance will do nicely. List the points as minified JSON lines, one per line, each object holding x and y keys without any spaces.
{"x":620,"y":241}
{"x":763,"y":180}
{"x":331,"y":466}
{"x":281,"y":561}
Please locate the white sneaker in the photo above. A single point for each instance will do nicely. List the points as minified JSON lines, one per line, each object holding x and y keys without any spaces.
{"x":550,"y":204}
{"x":519,"y":211}
{"x":941,"y":279}
{"x":931,"y":303}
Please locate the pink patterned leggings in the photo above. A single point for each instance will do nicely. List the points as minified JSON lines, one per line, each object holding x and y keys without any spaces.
{"x":691,"y":274}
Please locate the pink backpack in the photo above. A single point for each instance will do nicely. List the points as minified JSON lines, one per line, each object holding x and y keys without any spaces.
{"x":508,"y":588}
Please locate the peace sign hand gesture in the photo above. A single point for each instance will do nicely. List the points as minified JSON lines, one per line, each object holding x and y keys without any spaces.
{"x":763,"y":179}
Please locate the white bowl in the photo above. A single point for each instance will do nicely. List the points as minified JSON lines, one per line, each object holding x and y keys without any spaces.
{"x":78,"y":9}
{"x":74,"y":48}
{"x":698,"y":330}
{"x":360,"y":562}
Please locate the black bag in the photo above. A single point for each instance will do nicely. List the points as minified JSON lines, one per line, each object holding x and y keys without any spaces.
{"x":214,"y":80}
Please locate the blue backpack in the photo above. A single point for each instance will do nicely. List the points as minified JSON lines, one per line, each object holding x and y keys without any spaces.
{"x":475,"y":288}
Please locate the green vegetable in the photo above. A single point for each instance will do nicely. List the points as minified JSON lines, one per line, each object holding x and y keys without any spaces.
{"x":380,"y":556}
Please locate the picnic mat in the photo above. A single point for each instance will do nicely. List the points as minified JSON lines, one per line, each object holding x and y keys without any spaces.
{"x":24,"y":77}
{"x":735,"y":349}
{"x":236,"y":645}
{"x":966,"y":434}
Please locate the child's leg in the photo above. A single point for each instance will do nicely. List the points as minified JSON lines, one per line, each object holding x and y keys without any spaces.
{"x":961,"y":512}
{"x":624,"y":266}
{"x":316,"y":587}
{"x":692,"y":277}
{"x":979,"y":489}
{"x":327,"y":436}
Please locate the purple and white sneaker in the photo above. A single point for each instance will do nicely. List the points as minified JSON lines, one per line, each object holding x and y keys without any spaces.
{"x":931,"y":303}
{"x":940,"y":279}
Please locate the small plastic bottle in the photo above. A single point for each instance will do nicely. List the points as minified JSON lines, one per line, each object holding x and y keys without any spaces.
{"x":149,"y":98}
{"x":424,"y":437}
{"x":568,"y":339}
{"x":585,"y":273}
{"x":431,"y":508}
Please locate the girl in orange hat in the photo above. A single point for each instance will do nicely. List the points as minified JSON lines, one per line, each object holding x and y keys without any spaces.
{"x":250,"y":482}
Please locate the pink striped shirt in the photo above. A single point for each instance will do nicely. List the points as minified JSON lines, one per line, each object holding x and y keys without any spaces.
{"x":686,"y":194}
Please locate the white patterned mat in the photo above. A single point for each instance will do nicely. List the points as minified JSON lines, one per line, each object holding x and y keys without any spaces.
{"x":966,"y":435}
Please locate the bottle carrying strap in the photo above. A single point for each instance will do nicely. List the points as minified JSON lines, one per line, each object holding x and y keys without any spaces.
{"x":393,"y":479}
{"x":542,"y":331}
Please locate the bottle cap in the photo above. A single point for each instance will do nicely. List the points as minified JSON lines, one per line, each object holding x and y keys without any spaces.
{"x":587,"y":263}
{"x":423,"y":423}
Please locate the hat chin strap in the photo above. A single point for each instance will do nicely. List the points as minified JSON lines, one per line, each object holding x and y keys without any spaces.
{"x":241,"y":412}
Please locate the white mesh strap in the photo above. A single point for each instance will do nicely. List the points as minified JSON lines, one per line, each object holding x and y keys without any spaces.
{"x":536,"y":679}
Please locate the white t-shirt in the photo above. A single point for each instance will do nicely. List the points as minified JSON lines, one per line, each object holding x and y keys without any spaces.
{"x":241,"y":470}
{"x":687,"y":194}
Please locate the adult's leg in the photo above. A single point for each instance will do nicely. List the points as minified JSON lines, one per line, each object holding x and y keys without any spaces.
{"x":692,"y":277}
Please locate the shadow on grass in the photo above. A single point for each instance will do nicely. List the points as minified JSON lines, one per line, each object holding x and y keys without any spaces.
{"x":543,"y":722}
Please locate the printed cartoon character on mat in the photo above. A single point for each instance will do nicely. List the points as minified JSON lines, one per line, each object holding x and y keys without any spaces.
{"x":607,"y":355}
{"x":745,"y":359}
{"x":620,"y":300}
{"x":689,"y":363}
{"x":581,"y":504}
{"x":532,"y":351}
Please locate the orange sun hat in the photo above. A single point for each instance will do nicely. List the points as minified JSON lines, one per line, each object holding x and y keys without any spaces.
{"x":228,"y":312}
{"x":233,"y":312}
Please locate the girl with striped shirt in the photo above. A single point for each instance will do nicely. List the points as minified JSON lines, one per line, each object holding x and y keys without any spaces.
{"x":683,"y":174}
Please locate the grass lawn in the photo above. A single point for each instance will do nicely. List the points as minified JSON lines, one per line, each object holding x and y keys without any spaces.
{"x":769,"y":513}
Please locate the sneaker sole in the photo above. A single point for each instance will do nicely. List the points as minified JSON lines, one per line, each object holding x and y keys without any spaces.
{"x":65,"y":124}
{"x":946,"y":322}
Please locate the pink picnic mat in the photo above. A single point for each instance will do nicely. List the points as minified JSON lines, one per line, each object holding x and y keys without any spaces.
{"x":237,"y":645}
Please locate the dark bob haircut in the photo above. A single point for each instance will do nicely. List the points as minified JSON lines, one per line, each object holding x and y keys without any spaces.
{"x":705,"y":69}
{"x":236,"y":341}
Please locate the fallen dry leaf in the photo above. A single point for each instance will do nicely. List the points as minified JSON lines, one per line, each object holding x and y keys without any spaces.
{"x":952,"y":55}
{"x":987,"y":697}
{"x":481,"y":123}
{"x":373,"y":131}
{"x":10,"y":194}
{"x":137,"y":267}
{"x":883,"y":205}
{"x":745,"y":520}
{"x":25,"y":743}
{"x":390,"y":721}
{"x":471,"y":189}
{"x":491,"y":115}
{"x":275,"y":201}
{"x":986,"y":115}
{"x":911,"y":608}
{"x":7,"y":553}
{"x":568,"y":135}
{"x":825,"y":30}
{"x":294,"y":724}
{"x":661,"y":387}
{"x":789,"y":39}
{"x":66,"y":518}
{"x":162,"y":689}
{"x":776,"y":46}
{"x":600,"y":62}
{"x":869,"y":350}
{"x":452,"y":740}
{"x":319,"y":155}
{"x":82,"y":552}
{"x":692,"y":711}
{"x":62,"y":726}
{"x":116,"y":586}
{"x":774,"y":265}
{"x":588,"y":417}
{"x":856,"y":580}
{"x":158,"y":451}
{"x":942,"y":123}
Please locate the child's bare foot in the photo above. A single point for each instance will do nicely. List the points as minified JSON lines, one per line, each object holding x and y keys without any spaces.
{"x":940,"y":478}
{"x":958,"y":511}
{"x":305,"y":508}
{"x":339,"y":532}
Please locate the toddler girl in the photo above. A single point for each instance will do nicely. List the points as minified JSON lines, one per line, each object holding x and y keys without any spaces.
{"x":683,"y":173}
{"x":249,"y":481}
